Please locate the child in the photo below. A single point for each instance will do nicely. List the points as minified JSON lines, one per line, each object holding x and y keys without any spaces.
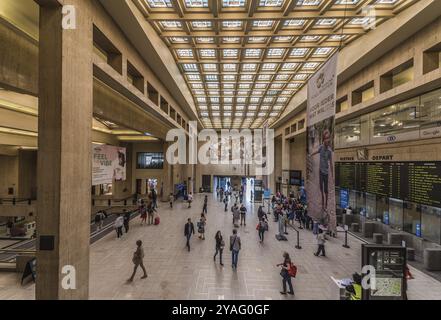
{"x":172,"y":198}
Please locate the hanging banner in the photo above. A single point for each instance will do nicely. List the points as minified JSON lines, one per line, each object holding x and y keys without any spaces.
{"x":108,"y":163}
{"x":320,"y":185}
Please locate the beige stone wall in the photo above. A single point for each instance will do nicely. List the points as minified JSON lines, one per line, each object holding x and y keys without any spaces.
{"x":8,"y":175}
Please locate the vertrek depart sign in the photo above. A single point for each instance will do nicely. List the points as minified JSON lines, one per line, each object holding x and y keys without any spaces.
{"x":322,"y":90}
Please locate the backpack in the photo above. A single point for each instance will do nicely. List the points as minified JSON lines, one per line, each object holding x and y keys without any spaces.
{"x":292,"y":270}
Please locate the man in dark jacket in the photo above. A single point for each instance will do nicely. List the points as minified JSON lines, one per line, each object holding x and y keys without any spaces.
{"x":188,"y":231}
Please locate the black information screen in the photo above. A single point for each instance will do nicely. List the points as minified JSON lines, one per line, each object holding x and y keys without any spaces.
{"x":418,"y":182}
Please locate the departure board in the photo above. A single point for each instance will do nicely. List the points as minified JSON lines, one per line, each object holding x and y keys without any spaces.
{"x":418,"y":182}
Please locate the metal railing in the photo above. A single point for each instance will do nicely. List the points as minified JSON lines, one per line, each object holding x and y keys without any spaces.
{"x":15,"y":201}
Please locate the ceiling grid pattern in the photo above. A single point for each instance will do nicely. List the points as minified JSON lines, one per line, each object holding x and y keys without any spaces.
{"x":244,"y":60}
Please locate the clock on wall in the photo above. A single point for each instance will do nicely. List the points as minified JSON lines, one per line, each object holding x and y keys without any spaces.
{"x":362,"y":154}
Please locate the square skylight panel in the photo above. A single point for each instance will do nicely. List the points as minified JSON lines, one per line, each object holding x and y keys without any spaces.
{"x":204,"y":39}
{"x":194,"y":77}
{"x":232,"y":24}
{"x":210,"y":67}
{"x":265,"y":24}
{"x":299,"y":52}
{"x":185,"y":53}
{"x":257,"y":39}
{"x":253,"y":53}
{"x":228,"y":108}
{"x":271,"y":3}
{"x":310,"y":65}
{"x":230,"y":53}
{"x":207,"y":53}
{"x":196,"y":3}
{"x":289,"y":66}
{"x":269,"y":66}
{"x":211,"y":77}
{"x":249,"y":67}
{"x":324,"y":51}
{"x":310,"y":38}
{"x":159,"y":3}
{"x":231,"y":40}
{"x":308,"y":2}
{"x":264,"y":77}
{"x":212,"y":85}
{"x":190,"y":67}
{"x":228,"y":85}
{"x":254,"y":100}
{"x":282,"y":77}
{"x":275,"y":52}
{"x":202,"y":24}
{"x":326,"y":22}
{"x":233,"y":3}
{"x":283,"y":39}
{"x":300,"y":76}
{"x":230,"y":67}
{"x":179,"y":39}
{"x":241,"y":100}
{"x":229,"y":77}
{"x":171,"y":24}
{"x":260,"y":85}
{"x":291,"y":23}
{"x":246,"y":77}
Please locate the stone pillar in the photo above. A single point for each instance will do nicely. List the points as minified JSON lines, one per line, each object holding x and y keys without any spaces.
{"x":64,"y":156}
{"x":285,"y":163}
{"x":27,"y":174}
{"x":168,"y":186}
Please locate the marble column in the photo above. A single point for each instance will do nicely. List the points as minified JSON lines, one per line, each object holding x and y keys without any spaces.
{"x":64,"y":156}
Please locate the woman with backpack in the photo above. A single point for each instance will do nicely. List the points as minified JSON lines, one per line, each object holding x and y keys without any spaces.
{"x":288,"y":271}
{"x":261,"y":228}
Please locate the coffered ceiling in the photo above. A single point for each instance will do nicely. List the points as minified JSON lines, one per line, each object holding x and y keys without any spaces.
{"x":243,"y":60}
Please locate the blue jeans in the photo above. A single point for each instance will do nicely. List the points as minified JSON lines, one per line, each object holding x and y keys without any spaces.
{"x":234,"y":258}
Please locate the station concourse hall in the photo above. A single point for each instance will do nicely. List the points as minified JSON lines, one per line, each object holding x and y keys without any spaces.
{"x":248,"y":151}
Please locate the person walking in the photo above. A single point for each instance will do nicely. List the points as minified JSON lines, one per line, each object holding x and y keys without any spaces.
{"x":99,"y":220}
{"x":188,"y":232}
{"x":243,"y":213}
{"x":204,"y":208}
{"x":171,"y":199}
{"x":154,"y":199}
{"x":220,"y":245}
{"x":236,"y":215}
{"x":201,"y":227}
{"x":119,"y":223}
{"x":235,"y":247}
{"x":143,"y":212}
{"x":150,"y":212}
{"x":189,"y":199}
{"x":321,"y":240}
{"x":138,"y":257}
{"x":286,"y":277}
{"x":225,"y":204}
{"x":126,"y":220}
{"x":261,"y":228}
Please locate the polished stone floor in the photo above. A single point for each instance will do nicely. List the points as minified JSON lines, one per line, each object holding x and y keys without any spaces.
{"x":175,"y":273}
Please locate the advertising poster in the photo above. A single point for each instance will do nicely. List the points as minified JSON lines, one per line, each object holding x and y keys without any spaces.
{"x":322,"y":90}
{"x":108,"y":163}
